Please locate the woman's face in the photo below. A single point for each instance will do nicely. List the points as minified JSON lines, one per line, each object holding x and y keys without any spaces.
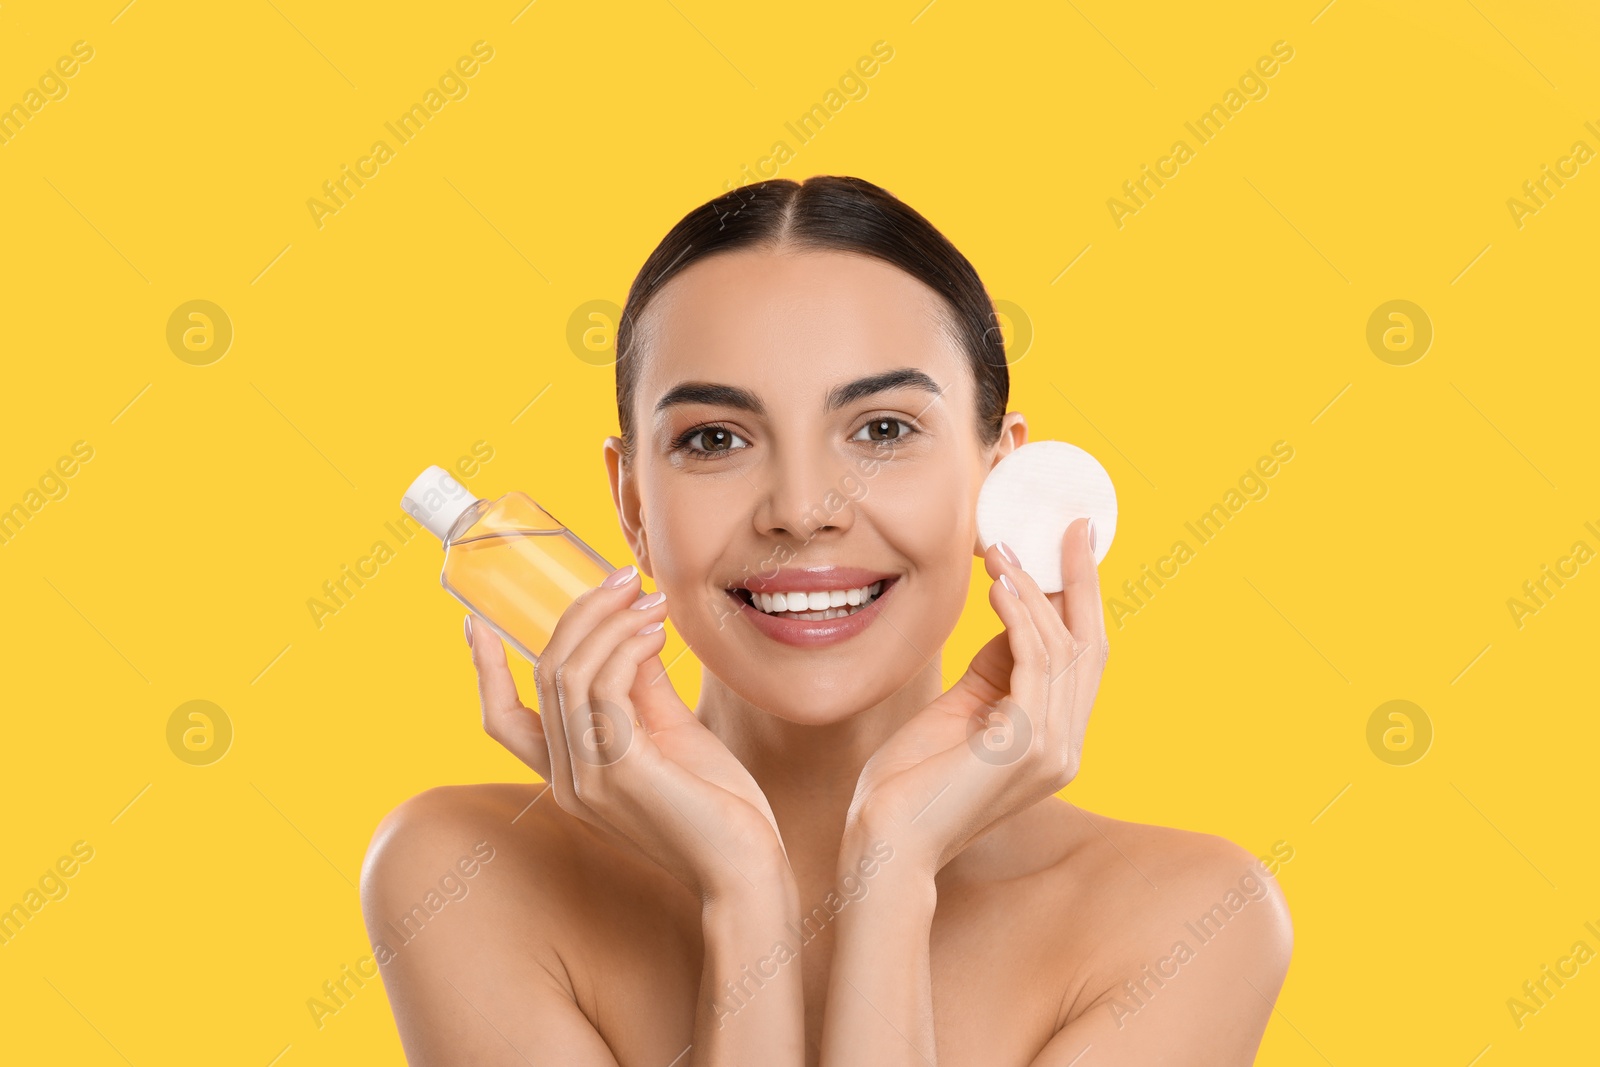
{"x":838,"y":449}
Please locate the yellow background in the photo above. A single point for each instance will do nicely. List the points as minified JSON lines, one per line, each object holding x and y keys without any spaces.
{"x":1229,"y":313}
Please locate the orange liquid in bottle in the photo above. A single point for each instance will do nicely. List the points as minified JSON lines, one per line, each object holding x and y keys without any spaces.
{"x":515,"y":566}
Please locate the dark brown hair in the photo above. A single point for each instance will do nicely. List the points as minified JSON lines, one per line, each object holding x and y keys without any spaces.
{"x":826,"y":212}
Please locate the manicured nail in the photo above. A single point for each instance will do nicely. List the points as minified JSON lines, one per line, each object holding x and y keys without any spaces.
{"x":1005,"y":580}
{"x":620,"y":577}
{"x":652,"y":628}
{"x":1008,"y":555}
{"x":644,"y":603}
{"x":1091,"y":535}
{"x":467,"y":628}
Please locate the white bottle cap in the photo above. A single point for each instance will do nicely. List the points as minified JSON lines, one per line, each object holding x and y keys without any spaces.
{"x":437,"y":500}
{"x":1030,"y":498}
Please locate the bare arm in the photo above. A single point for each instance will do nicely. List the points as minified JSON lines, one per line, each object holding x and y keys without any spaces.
{"x":751,"y":1006}
{"x":627,"y":757}
{"x":880,"y":987}
{"x":935,"y":784}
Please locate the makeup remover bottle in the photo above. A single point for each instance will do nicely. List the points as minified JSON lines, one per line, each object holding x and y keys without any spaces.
{"x":508,"y":560}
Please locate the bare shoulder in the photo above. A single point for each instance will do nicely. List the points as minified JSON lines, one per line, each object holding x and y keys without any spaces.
{"x":426,"y":836}
{"x":1163,"y":902}
{"x":1157,"y":879}
{"x":435,"y":851}
{"x":445,"y":814}
{"x":467,"y":892}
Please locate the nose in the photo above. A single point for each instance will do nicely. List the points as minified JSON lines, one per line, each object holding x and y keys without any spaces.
{"x":802,"y":495}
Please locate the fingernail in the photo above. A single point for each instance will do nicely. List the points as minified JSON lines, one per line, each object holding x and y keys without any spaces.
{"x":1005,"y":580}
{"x":467,"y":629}
{"x":1008,"y":555}
{"x":620,"y":577}
{"x":646,"y":602}
{"x":652,"y":628}
{"x":1091,"y":535}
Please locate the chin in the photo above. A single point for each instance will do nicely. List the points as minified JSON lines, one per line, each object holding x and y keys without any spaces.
{"x":810,"y":688}
{"x":807,"y":703}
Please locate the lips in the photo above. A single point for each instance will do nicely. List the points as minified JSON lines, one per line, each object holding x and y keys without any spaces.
{"x":813,"y":579}
{"x":813,"y":633}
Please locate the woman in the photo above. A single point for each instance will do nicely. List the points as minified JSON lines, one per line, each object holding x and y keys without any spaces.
{"x":838,"y":857}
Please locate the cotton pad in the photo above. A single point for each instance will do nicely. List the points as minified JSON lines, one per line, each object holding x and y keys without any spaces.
{"x":1032,"y":496}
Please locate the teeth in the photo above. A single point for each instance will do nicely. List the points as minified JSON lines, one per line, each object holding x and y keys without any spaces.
{"x":829,"y":604}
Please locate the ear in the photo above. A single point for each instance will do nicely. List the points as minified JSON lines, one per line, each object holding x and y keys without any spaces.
{"x":625,"y":495}
{"x":1013,"y":435}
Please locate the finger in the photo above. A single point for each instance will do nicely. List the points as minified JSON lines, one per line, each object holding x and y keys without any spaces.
{"x":617,"y":678}
{"x":597,"y":725}
{"x":555,"y":729}
{"x":1029,"y":688}
{"x":611,"y":690}
{"x":1079,"y":608}
{"x":1058,"y":643}
{"x":631,"y":778}
{"x":992,"y":666}
{"x":1086,"y":621}
{"x":1083,"y":614}
{"x":509,"y":721}
{"x":575,"y":622}
{"x":585,"y":612}
{"x":656,"y":704}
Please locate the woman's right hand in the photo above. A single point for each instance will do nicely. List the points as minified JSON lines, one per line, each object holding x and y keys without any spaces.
{"x":623,"y":752}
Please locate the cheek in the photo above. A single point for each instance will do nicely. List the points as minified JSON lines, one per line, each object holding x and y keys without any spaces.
{"x":931,"y":528}
{"x":929,"y":521}
{"x":681,"y":537}
{"x":687,"y":533}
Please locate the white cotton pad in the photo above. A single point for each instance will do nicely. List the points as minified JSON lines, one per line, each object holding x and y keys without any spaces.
{"x":1032,"y":496}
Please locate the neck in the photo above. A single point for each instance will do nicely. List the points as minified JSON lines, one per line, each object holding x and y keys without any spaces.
{"x":807,"y":772}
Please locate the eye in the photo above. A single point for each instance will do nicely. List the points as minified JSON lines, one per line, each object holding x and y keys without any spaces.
{"x":884,"y":430}
{"x":717,"y":440}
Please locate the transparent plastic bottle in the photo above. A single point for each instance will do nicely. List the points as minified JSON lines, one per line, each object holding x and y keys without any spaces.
{"x":508,"y":560}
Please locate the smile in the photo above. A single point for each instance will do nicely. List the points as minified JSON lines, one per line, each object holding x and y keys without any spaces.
{"x":809,"y":608}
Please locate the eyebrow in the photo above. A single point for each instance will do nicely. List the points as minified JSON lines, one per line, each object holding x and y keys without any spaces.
{"x":734,"y":397}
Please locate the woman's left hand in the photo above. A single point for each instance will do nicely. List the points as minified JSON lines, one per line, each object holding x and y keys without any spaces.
{"x":1010,"y":731}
